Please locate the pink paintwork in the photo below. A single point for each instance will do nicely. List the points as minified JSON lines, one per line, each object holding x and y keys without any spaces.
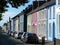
{"x":34,"y":22}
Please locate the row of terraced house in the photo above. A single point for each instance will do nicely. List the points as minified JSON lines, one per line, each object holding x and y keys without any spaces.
{"x":41,"y":17}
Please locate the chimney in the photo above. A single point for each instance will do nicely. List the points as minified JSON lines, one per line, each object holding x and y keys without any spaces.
{"x":35,"y":4}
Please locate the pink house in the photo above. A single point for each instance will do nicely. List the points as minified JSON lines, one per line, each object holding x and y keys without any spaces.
{"x":34,"y":22}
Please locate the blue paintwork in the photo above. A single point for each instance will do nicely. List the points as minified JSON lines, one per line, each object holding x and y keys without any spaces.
{"x":53,"y":30}
{"x":50,"y":35}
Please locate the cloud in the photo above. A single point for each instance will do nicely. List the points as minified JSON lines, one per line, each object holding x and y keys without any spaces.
{"x":12,"y":12}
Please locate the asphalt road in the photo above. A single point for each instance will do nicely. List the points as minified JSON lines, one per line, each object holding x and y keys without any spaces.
{"x":5,"y":39}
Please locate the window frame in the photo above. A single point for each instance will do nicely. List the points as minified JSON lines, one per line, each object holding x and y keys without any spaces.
{"x":53,"y":12}
{"x":50,"y":29}
{"x":50,"y":13}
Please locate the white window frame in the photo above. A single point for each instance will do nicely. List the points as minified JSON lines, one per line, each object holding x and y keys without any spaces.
{"x":53,"y":12}
{"x":50,"y":13}
{"x":50,"y":29}
{"x":58,"y":26}
{"x":58,"y":2}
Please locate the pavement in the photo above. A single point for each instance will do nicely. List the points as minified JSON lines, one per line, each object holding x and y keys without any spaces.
{"x":5,"y":39}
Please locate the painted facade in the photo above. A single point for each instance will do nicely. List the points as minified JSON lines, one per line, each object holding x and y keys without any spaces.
{"x":51,"y":22}
{"x":34,"y":22}
{"x":57,"y":13}
{"x":21,"y":23}
{"x":16,"y":27}
{"x":11,"y":25}
{"x":37,"y":23}
{"x":42,"y":23}
{"x":15,"y":24}
{"x":4,"y":28}
{"x":29,"y":23}
{"x":18,"y":24}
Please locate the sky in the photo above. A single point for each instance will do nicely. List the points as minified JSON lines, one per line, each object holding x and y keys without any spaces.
{"x":13,"y":12}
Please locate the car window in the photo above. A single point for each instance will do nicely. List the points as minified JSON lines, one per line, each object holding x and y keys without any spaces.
{"x":21,"y":33}
{"x":24,"y":34}
{"x":30,"y":34}
{"x":34,"y":35}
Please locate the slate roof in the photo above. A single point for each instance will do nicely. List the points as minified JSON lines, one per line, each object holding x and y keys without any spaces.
{"x":45,"y":5}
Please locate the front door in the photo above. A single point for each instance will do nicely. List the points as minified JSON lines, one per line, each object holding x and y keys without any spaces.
{"x":53,"y":30}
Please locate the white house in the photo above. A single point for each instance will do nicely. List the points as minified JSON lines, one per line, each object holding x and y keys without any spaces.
{"x":15,"y":26}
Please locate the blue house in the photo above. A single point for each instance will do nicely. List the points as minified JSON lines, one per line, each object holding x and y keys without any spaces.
{"x":53,"y":20}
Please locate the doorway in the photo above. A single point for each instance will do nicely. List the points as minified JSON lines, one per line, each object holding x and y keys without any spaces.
{"x":53,"y":30}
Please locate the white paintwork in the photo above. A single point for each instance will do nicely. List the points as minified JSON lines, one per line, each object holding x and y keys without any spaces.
{"x":16,"y":25}
{"x":11,"y":25}
{"x":42,"y":20}
{"x":50,"y":21}
{"x":22,"y":23}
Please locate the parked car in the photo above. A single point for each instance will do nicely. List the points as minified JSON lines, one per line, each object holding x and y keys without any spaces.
{"x":30,"y":38}
{"x":19,"y":35}
{"x":15,"y":34}
{"x":11,"y":33}
{"x":22,"y":37}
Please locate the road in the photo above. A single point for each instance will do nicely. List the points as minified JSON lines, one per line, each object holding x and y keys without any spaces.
{"x":5,"y":39}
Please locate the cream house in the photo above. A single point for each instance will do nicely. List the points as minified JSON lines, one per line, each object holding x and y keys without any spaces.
{"x":4,"y":28}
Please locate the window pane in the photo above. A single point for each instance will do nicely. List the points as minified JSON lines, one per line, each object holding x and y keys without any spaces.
{"x":21,"y":27}
{"x":22,"y":18}
{"x":50,"y":13}
{"x":59,"y":23}
{"x":58,"y":2}
{"x":53,"y":12}
{"x":50,"y":30}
